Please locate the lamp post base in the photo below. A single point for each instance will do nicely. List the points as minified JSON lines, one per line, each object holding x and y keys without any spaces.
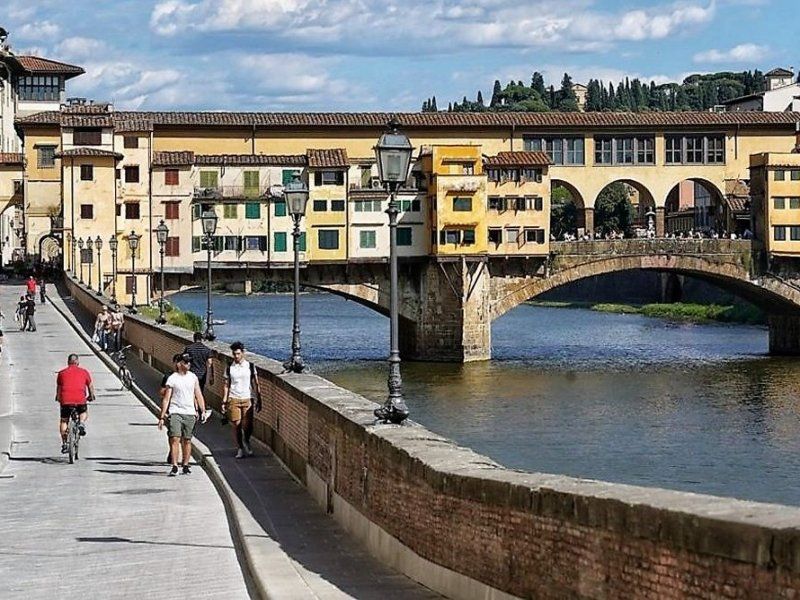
{"x":392,"y":413}
{"x":132,"y":310}
{"x":294,"y":365}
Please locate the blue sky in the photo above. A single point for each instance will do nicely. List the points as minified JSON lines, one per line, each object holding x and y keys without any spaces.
{"x":384,"y":54}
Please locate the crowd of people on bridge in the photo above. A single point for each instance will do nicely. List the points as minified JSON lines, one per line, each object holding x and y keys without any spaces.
{"x":690,"y":234}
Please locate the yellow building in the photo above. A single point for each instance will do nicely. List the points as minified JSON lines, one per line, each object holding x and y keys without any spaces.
{"x":456,"y":199}
{"x":326,"y":216}
{"x":518,"y":208}
{"x":775,"y":194}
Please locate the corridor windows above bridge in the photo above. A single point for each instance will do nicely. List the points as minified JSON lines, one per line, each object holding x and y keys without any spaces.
{"x":624,"y":150}
{"x":694,"y":149}
{"x":560,"y":149}
{"x":514,"y":175}
{"x":465,"y":237}
{"x":361,"y":206}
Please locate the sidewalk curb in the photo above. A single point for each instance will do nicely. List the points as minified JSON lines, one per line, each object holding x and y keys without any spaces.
{"x":242,"y":525}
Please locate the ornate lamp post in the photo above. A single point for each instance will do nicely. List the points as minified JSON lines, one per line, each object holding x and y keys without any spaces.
{"x":90,"y":254}
{"x":98,"y":243}
{"x":296,"y":195}
{"x":113,"y":243}
{"x":133,"y":244}
{"x":73,"y":243}
{"x":162,"y":232}
{"x":80,"y":253}
{"x":393,"y":153}
{"x":209,"y":220}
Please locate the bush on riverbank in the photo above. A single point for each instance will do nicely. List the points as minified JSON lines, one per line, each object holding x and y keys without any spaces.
{"x":176,"y":316}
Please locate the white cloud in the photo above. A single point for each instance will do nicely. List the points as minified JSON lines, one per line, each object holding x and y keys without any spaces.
{"x":37,"y":31}
{"x":80,"y":48}
{"x":743,"y":53}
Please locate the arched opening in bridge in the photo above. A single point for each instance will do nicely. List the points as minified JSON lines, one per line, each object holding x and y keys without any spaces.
{"x":698,"y":206}
{"x":568,"y":214}
{"x":9,"y":243}
{"x":623,"y":207}
{"x":50,"y":250}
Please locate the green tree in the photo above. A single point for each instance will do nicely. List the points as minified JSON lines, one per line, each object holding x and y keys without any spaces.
{"x":594,"y":96}
{"x":563,"y":212}
{"x":537,"y":84}
{"x":613,"y":210}
{"x":497,"y":91}
{"x":432,"y":106}
{"x":567,"y":100}
{"x":480,"y":99}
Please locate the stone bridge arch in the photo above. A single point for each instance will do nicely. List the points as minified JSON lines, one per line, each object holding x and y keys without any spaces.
{"x":644,"y":202}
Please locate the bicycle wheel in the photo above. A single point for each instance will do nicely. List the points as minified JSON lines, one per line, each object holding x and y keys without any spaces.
{"x":125,"y":376}
{"x":72,"y":443}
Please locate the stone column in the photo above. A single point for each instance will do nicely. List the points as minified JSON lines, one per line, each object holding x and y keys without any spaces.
{"x":660,"y":221}
{"x":453,"y":322}
{"x":784,"y":334}
{"x":588,"y":219}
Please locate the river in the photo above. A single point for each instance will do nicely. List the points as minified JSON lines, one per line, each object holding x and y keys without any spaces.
{"x":620,"y":398}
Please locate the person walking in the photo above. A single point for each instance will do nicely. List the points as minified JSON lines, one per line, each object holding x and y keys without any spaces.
{"x":163,"y":392}
{"x":182,"y":400}
{"x":202,"y":364}
{"x":30,"y":287}
{"x":30,"y":310}
{"x":101,"y":324}
{"x":20,"y":317}
{"x":42,"y":289}
{"x":117,"y":323}
{"x":74,"y":388}
{"x":241,"y":385}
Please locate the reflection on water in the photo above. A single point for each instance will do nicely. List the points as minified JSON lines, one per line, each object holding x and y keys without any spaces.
{"x":614,"y":397}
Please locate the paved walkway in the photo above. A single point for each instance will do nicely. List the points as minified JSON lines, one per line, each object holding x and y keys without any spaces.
{"x":112,"y":525}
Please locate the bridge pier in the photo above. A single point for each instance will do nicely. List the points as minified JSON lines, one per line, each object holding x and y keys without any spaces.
{"x":784,"y":334}
{"x":588,"y":219}
{"x":453,"y":321}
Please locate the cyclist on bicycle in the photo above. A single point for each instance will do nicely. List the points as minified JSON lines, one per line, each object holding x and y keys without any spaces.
{"x":73,"y":388}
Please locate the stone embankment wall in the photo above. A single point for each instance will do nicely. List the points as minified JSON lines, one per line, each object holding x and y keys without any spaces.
{"x":469,"y":528}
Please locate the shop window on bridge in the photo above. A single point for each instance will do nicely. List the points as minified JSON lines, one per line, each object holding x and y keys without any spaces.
{"x":561,"y":150}
{"x":404,"y":236}
{"x":328,"y":239}
{"x":534,"y":236}
{"x":462,"y":204}
{"x":695,"y":149}
{"x":779,"y":233}
{"x":779,"y":203}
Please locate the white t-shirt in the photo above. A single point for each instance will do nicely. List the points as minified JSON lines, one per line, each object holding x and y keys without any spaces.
{"x":182,"y":400}
{"x":239,"y":376}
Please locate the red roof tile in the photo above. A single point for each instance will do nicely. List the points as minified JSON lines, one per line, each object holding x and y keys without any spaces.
{"x":334,"y":158}
{"x":36,"y":64}
{"x":87,"y":151}
{"x":519,"y":159}
{"x":181,"y":158}
{"x":278,"y":160}
{"x":11,"y":158}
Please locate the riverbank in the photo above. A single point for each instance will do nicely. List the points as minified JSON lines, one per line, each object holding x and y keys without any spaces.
{"x":678,"y":311}
{"x":175,"y":316}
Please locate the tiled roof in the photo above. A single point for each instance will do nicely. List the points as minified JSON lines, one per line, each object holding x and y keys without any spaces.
{"x":278,"y":160}
{"x":336,"y":157}
{"x":738,"y":203}
{"x":36,"y":64}
{"x":87,"y":121}
{"x":87,"y":151}
{"x":780,"y":71}
{"x":598,"y":120}
{"x":11,"y":158}
{"x":132,"y":125}
{"x":519,"y":159}
{"x":87,"y":108}
{"x":736,"y":187}
{"x":173,"y":159}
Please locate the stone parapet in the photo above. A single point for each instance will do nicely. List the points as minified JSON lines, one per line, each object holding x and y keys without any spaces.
{"x":463,"y":525}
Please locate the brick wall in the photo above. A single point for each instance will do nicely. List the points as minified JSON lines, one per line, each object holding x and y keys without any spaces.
{"x":527,"y":534}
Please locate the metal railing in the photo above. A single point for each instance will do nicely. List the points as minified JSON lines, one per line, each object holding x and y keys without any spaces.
{"x":221,"y":192}
{"x":651,"y":246}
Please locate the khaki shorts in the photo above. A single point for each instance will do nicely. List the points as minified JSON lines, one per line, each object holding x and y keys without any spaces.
{"x":237,"y":407}
{"x":181,"y":426}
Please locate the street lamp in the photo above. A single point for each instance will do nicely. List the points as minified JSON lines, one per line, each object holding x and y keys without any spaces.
{"x":98,"y":243}
{"x":73,"y":243}
{"x":296,"y":196}
{"x":80,"y":248}
{"x":162,"y":232}
{"x":393,"y":154}
{"x":133,"y":244}
{"x":113,"y":243}
{"x":90,"y":248}
{"x":209,"y":221}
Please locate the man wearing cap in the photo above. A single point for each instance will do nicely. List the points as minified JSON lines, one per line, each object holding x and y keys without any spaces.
{"x":182,"y":400}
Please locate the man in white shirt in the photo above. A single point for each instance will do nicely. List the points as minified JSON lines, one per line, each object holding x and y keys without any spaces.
{"x":241,"y":385}
{"x":183,"y":399}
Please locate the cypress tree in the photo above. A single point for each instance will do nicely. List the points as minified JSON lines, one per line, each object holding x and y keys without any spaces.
{"x":497,"y":90}
{"x":537,"y":84}
{"x":480,"y":99}
{"x":433,"y":106}
{"x":567,"y":101}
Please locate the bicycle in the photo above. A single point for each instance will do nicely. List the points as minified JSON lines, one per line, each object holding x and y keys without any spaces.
{"x":73,"y":434}
{"x":122,"y":362}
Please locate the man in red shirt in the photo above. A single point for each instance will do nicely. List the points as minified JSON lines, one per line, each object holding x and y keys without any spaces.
{"x":73,"y":388}
{"x":30,"y":285}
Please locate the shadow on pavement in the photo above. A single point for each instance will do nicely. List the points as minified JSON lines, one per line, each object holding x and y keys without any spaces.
{"x":121,"y":540}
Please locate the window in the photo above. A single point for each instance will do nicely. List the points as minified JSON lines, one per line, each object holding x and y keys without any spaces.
{"x":449,"y":236}
{"x":674,"y":150}
{"x":695,"y":149}
{"x":780,"y":175}
{"x":794,"y":233}
{"x":251,"y":186}
{"x":87,"y":172}
{"x":715,"y":152}
{"x":410,"y":205}
{"x":230,"y":211}
{"x":252,"y":210}
{"x":794,"y":203}
{"x":132,"y":174}
{"x":493,"y":174}
{"x":624,"y":150}
{"x":196,"y":243}
{"x":779,"y":203}
{"x":280,"y":207}
{"x":208,"y":179}
{"x":517,"y":203}
{"x":231,"y":242}
{"x":320,"y":205}
{"x":561,"y":150}
{"x":496,"y":203}
{"x":39,"y":89}
{"x":337,"y":205}
{"x":329,"y":178}
{"x":512,"y":235}
{"x":467,"y":169}
{"x":129,"y":284}
{"x":255,"y":243}
{"x":117,"y":174}
{"x":509,"y":175}
{"x":303,"y":242}
{"x":538,"y":203}
{"x":404,"y":236}
{"x":534,"y":175}
{"x":366,"y":238}
{"x":86,"y":136}
{"x":172,"y":247}
{"x":87,"y":211}
{"x":495,"y":235}
{"x":795,"y":174}
{"x":780,"y":233}
{"x":279,"y":241}
{"x":171,"y":177}
{"x":196,"y":211}
{"x":172,"y":210}
{"x":462,"y":204}
{"x":328,"y":239}
{"x":468,"y":237}
{"x":118,"y":210}
{"x":131,"y":210}
{"x":368,"y":205}
{"x":130,"y":141}
{"x":46,"y":157}
{"x":534,"y":236}
{"x":287,"y":175}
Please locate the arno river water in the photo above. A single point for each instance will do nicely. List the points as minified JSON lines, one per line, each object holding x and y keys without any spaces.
{"x":620,"y":398}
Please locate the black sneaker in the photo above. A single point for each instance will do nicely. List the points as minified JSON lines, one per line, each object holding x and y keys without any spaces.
{"x":64,"y":448}
{"x":82,"y":429}
{"x":173,"y":471}
{"x":186,"y":470}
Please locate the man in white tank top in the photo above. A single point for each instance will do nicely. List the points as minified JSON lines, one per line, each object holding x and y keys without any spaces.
{"x":241,"y":386}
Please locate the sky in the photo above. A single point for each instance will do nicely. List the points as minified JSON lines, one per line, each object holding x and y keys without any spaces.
{"x":375,"y":55}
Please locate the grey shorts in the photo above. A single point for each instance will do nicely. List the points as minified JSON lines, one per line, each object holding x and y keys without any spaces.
{"x":181,"y":426}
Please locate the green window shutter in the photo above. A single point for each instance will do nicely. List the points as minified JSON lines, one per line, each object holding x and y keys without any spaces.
{"x":208,"y":179}
{"x":252,"y":210}
{"x":280,"y":207}
{"x":195,"y":211}
{"x":367,"y":239}
{"x":288,"y":175}
{"x":303,"y":242}
{"x":251,"y":183}
{"x":404,"y":236}
{"x":230,"y":211}
{"x":280,"y":241}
